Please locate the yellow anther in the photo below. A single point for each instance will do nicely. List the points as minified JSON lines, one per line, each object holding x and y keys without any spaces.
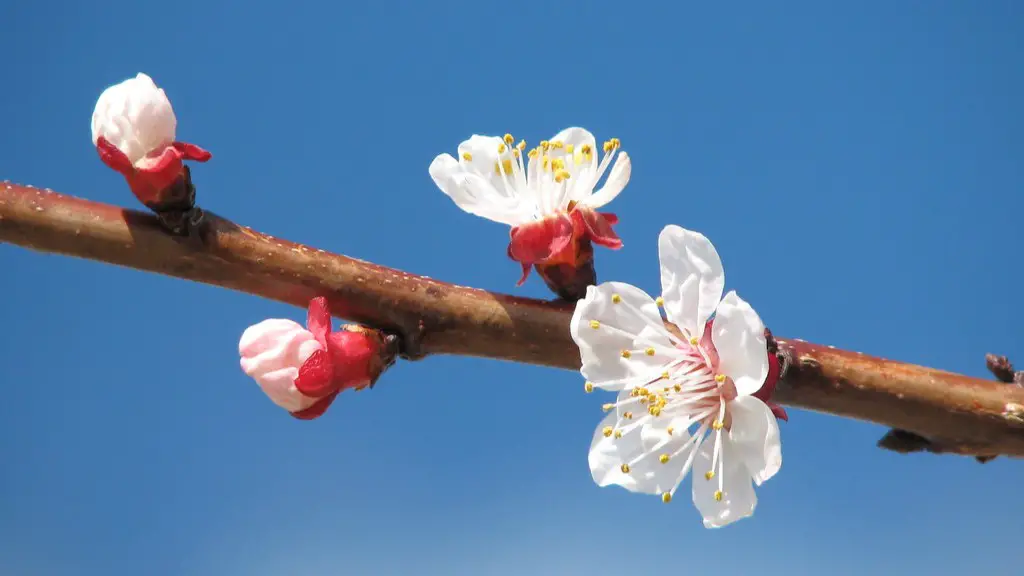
{"x":608,"y":407}
{"x":719,"y":378}
{"x":627,"y":415}
{"x":505,"y":165}
{"x":557,"y":144}
{"x":709,"y":474}
{"x":545,"y":162}
{"x":624,"y":468}
{"x":626,"y":353}
{"x":515,"y":152}
{"x":643,"y":391}
{"x":717,"y":425}
{"x":569,"y":148}
{"x":666,"y":389}
{"x":609,"y":146}
{"x":649,"y":351}
{"x":677,"y":388}
{"x":654,"y":410}
{"x":595,"y":324}
{"x":618,"y":433}
{"x":588,"y":387}
{"x":666,"y":497}
{"x":467,"y":156}
{"x":532,"y":153}
{"x":521,"y":145}
{"x":509,"y":139}
{"x":616,"y":298}
{"x":545,"y":145}
{"x":693,"y":341}
{"x":607,"y":431}
{"x":718,"y":495}
{"x":659,"y":301}
{"x":501,"y":148}
{"x":635,"y":392}
{"x":663,"y":458}
{"x":562,"y":175}
{"x":670,"y":430}
{"x":587,"y":150}
{"x":664,"y":376}
{"x":557,"y":164}
{"x":643,"y":400}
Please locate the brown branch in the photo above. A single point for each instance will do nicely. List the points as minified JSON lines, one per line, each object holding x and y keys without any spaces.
{"x":961,"y":414}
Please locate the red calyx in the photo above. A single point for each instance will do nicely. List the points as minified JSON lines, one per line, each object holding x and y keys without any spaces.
{"x":559,"y":246}
{"x":156,"y":173}
{"x":349,"y":359}
{"x":766,"y":391}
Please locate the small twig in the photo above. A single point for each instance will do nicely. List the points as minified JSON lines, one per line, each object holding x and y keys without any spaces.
{"x":963,"y":415}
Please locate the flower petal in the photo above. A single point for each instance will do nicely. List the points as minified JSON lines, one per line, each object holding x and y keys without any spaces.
{"x":608,"y":453}
{"x":738,"y":334}
{"x":652,"y":476}
{"x":692,"y":278}
{"x":609,"y":321}
{"x":613,"y":185}
{"x":755,"y":436}
{"x":475,"y":194}
{"x":738,"y":497}
{"x":581,"y":183}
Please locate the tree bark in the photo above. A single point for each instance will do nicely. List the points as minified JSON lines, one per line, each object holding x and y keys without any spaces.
{"x":954,"y":413}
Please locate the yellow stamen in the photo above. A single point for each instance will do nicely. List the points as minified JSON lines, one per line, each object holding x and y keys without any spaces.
{"x":659,"y":301}
{"x":467,"y":156}
{"x":719,"y":378}
{"x":709,"y":475}
{"x":649,"y":351}
{"x":607,"y":431}
{"x":626,"y":353}
{"x":718,"y":495}
{"x":666,"y":497}
{"x":663,"y":458}
{"x":607,"y":407}
{"x":588,"y":387}
{"x":616,"y":298}
{"x":624,"y":468}
{"x":717,"y":425}
{"x":509,"y":139}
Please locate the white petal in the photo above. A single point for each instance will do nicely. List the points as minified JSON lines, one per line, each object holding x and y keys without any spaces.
{"x":755,"y":436}
{"x":474,"y":194}
{"x":613,"y":185}
{"x":738,"y":334}
{"x":576,"y":137}
{"x":738,"y":497}
{"x":692,"y":278}
{"x":651,"y":476}
{"x":608,"y":454}
{"x":135,"y":116}
{"x":603,"y":329}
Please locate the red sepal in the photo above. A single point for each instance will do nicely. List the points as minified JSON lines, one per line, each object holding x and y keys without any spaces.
{"x":597,"y":226}
{"x":316,"y":410}
{"x":316,"y":376}
{"x":766,"y":391}
{"x":156,"y":172}
{"x":318,"y":319}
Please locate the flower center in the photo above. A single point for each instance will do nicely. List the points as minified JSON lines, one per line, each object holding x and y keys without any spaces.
{"x":557,"y":173}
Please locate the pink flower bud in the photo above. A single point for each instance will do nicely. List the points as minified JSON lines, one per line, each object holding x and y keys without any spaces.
{"x":272,"y":353}
{"x":304,"y":369}
{"x":133,"y":128}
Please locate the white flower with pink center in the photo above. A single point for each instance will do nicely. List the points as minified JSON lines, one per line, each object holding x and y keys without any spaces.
{"x":690,"y":391}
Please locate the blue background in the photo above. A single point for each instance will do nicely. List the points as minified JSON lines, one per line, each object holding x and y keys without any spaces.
{"x":857,"y":165}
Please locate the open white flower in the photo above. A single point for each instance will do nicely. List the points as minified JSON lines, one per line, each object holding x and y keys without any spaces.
{"x":547,"y":195}
{"x":688,"y":397}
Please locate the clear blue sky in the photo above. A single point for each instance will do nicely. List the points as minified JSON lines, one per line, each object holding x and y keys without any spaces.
{"x":857,"y":165}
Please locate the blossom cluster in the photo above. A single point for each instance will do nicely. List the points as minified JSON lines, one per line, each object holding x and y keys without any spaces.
{"x":690,"y":368}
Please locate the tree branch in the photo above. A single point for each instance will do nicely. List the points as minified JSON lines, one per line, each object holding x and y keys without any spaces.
{"x":960,"y":414}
